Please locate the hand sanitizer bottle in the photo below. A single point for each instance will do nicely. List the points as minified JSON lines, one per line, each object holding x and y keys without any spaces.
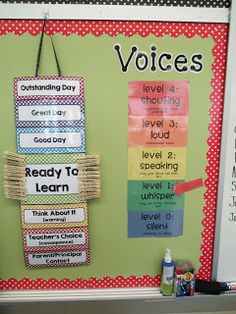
{"x":167,"y":274}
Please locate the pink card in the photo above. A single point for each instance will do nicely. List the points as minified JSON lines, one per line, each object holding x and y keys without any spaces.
{"x":161,"y":131}
{"x":161,"y":98}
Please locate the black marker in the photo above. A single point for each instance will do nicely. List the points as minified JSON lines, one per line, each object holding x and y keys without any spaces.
{"x":213,"y":287}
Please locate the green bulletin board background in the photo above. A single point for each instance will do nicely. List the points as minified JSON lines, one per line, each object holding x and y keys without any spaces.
{"x":106,"y":113}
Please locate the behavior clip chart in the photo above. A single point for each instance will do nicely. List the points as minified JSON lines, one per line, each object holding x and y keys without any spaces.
{"x":50,"y":130}
{"x":157,"y":139}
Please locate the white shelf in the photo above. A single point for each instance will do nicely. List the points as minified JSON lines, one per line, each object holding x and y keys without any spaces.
{"x":114,"y":12}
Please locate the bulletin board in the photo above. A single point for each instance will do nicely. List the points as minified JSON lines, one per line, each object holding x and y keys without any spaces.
{"x":87,"y":49}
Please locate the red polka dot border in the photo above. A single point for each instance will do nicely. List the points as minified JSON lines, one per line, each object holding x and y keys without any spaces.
{"x":92,"y":283}
{"x":219,"y":32}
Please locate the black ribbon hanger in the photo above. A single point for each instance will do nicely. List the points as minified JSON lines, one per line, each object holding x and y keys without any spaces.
{"x":40,"y":51}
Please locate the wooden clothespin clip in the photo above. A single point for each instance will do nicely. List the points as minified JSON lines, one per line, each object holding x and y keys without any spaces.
{"x":89,"y":177}
{"x":14,"y":175}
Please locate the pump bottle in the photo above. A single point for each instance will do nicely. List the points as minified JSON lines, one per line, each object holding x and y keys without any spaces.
{"x":167,"y":274}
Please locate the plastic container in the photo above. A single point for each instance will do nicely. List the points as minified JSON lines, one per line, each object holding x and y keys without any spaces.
{"x":167,"y":274}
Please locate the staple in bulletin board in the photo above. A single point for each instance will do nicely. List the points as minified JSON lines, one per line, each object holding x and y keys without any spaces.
{"x":116,"y":260}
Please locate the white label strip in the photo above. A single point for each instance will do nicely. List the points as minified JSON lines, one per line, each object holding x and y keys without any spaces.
{"x":50,"y":140}
{"x":55,"y":239}
{"x":52,"y":216}
{"x":49,"y":113}
{"x":45,"y":179}
{"x":55,"y":258}
{"x":48,"y":87}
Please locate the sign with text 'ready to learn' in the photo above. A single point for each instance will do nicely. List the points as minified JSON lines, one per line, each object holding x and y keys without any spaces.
{"x":51,"y":179}
{"x":157,"y":145}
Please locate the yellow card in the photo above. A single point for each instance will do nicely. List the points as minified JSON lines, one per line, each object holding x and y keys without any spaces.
{"x":156,"y":163}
